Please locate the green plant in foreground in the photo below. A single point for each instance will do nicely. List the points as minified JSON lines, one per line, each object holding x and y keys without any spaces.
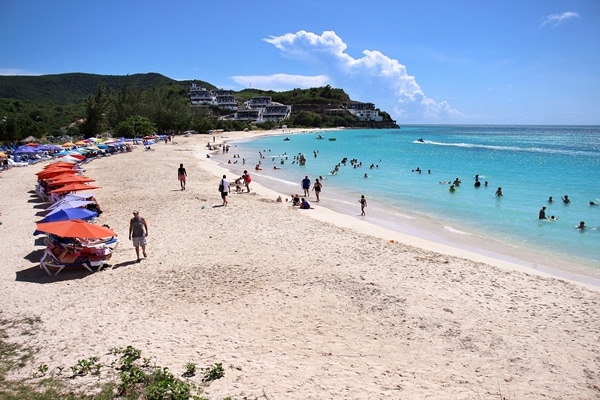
{"x":84,"y":367}
{"x":190,"y":370}
{"x":137,"y":379}
{"x":213,"y":373}
{"x":42,"y":369}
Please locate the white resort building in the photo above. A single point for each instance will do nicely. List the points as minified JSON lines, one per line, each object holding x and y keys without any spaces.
{"x":267,"y":109}
{"x":200,"y":96}
{"x":364,"y":111}
{"x":257,"y":109}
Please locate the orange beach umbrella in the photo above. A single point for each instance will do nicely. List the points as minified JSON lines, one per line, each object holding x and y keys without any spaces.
{"x":74,"y":187}
{"x":65,"y":179}
{"x":76,"y":228}
{"x":55,"y":173}
{"x":56,"y":169}
{"x":60,"y":164}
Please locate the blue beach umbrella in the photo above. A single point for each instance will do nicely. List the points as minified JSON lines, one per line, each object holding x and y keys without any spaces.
{"x":25,"y":150}
{"x":64,"y":205}
{"x":71,"y":197}
{"x":69,"y":214}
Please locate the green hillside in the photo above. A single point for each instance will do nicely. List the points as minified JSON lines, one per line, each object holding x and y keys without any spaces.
{"x":75,"y":87}
{"x":78,"y":104}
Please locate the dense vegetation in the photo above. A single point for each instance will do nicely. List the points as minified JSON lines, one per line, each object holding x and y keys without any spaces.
{"x":89,"y":105}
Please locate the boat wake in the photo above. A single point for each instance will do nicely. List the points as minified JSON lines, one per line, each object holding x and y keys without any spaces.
{"x":532,"y":149}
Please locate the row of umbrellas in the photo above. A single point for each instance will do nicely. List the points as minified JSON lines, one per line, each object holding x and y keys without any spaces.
{"x":67,"y":217}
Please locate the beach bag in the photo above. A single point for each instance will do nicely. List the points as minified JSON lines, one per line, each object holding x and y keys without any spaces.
{"x":221,"y":187}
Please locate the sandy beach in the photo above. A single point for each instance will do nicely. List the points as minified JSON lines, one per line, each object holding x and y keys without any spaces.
{"x":296,"y":304}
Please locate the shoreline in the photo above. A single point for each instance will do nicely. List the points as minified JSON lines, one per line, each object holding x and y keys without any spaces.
{"x":293,"y":307}
{"x":472,"y":247}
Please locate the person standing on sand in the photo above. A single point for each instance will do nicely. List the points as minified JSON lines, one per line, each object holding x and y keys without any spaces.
{"x":247,"y":179}
{"x":224,"y":188}
{"x":306,"y":186}
{"x":363,"y":205}
{"x":138,"y":231}
{"x":317,"y":188}
{"x":181,"y":175}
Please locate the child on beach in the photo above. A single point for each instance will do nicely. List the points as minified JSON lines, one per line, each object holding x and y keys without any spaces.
{"x":363,"y":205}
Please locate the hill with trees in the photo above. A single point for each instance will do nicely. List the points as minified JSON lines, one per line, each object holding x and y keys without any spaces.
{"x":78,"y":104}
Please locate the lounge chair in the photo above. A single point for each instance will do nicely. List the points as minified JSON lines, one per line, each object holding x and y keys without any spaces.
{"x":91,"y":257}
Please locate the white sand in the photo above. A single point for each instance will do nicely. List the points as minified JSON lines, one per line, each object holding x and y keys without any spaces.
{"x":293,"y":306}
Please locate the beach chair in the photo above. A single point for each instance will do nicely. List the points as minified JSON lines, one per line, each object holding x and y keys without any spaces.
{"x":92,"y":259}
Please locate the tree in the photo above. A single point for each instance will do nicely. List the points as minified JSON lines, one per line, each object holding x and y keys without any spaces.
{"x":135,"y":126}
{"x":96,"y":108}
{"x":307,"y":118}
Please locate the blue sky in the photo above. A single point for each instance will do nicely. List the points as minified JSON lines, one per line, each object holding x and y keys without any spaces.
{"x":425,"y":62}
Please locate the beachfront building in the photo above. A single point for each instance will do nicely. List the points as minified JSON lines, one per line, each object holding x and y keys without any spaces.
{"x":364,"y":111}
{"x":246,"y":115}
{"x":261,"y":109}
{"x":276,"y":112}
{"x":258,"y":102}
{"x":200,"y":96}
{"x":225,"y":99}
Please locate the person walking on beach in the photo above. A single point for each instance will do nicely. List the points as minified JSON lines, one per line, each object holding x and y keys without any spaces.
{"x":317,"y":188}
{"x":138,"y":231}
{"x":224,"y":189}
{"x":306,"y":186}
{"x":181,"y":175}
{"x":363,"y":205}
{"x":247,"y":179}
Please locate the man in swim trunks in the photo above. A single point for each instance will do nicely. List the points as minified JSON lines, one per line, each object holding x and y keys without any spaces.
{"x":138,"y":231}
{"x":182,"y":175}
{"x":306,"y":186}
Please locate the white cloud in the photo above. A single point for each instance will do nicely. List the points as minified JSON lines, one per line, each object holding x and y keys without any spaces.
{"x":281,"y":82}
{"x":557,"y":19}
{"x":373,"y":68}
{"x":12,"y":72}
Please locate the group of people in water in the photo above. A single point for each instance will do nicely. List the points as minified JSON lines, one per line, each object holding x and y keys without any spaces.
{"x":566,"y":201}
{"x":303,"y":203}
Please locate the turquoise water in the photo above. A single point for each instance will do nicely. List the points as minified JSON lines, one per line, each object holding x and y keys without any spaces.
{"x":530,"y":163}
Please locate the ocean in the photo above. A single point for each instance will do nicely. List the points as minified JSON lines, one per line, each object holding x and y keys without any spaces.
{"x":529,"y":163}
